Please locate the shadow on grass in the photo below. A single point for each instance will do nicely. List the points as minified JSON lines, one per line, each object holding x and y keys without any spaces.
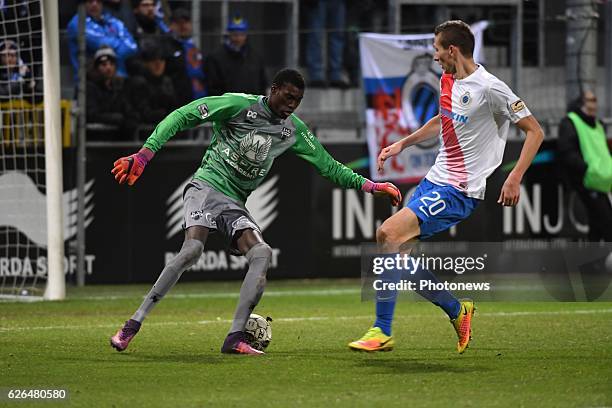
{"x":205,"y":357}
{"x":406,"y":365}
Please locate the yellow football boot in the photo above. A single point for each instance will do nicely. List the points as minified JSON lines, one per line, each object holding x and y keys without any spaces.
{"x":373,"y":340}
{"x":463,"y":324}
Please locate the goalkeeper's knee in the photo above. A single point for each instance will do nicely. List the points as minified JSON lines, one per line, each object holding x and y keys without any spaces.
{"x":188,"y":255}
{"x":260,"y":250}
{"x":259,"y":257}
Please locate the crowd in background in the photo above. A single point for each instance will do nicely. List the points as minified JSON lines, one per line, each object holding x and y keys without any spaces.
{"x":143,"y":63}
{"x":20,"y":57}
{"x":142,"y":68}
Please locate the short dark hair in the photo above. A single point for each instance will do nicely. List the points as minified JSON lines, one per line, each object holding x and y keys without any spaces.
{"x":180,"y":14}
{"x":136,"y":3}
{"x":457,"y":33}
{"x":577,"y":103}
{"x":151,"y":49}
{"x":289,"y":76}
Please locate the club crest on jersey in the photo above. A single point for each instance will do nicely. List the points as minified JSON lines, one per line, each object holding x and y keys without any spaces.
{"x":285,"y":133}
{"x":255,"y":147}
{"x":196,"y":215}
{"x":203,"y":109}
{"x":466,"y":98}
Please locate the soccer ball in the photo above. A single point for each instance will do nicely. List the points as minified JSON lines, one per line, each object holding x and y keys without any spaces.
{"x":258,"y":331}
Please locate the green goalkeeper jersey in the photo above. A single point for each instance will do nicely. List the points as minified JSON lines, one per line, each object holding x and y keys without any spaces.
{"x":247,"y":137}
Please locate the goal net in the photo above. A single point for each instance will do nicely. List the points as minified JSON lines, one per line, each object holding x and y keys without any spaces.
{"x":25,"y":186}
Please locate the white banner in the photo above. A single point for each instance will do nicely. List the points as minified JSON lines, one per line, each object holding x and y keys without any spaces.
{"x":402,"y":85}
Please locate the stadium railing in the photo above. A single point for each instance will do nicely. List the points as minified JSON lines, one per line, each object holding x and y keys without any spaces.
{"x":29,"y":119}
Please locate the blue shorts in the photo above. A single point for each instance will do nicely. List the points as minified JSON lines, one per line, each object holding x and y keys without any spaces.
{"x":439,"y":207}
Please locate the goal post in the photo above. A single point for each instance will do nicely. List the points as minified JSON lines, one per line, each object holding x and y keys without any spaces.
{"x":35,"y":212}
{"x":56,"y":280}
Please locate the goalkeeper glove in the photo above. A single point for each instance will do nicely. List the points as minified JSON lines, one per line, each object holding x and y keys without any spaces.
{"x":131,"y":167}
{"x":383,"y":189}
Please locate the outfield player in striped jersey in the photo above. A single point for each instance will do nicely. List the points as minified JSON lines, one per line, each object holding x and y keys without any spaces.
{"x":476,"y":110}
{"x":249,"y":132}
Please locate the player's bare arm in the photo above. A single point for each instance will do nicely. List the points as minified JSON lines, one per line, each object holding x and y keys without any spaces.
{"x":428,"y":131}
{"x":510,"y":192}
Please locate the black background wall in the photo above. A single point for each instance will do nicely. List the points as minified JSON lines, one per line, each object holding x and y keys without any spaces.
{"x":317,"y":227}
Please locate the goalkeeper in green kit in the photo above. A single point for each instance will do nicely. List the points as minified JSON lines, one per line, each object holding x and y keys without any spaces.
{"x":249,"y":132}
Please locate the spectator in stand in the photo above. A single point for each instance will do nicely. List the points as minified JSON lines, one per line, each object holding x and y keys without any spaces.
{"x":16,"y":79}
{"x":120,"y":9}
{"x":362,"y":16}
{"x":235,"y":66}
{"x":587,"y":163}
{"x":147,"y":27}
{"x":101,"y":28}
{"x":124,"y":10}
{"x":152,"y":93}
{"x":146,"y":23}
{"x":107,"y":99}
{"x":322,"y":14}
{"x":185,"y":63}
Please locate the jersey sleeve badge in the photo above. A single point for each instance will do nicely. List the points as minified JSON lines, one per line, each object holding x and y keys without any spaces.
{"x":203,"y":109}
{"x":517,"y":106}
{"x":285,"y":133}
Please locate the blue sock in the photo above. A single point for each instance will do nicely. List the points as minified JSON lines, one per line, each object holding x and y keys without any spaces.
{"x":384,"y":315}
{"x":441,"y":298}
{"x":449,"y":304}
{"x":385,"y":303}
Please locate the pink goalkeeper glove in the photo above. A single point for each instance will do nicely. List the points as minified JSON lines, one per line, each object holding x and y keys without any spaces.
{"x":131,"y":167}
{"x":383,"y":189}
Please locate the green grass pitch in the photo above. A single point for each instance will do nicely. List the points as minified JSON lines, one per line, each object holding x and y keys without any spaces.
{"x":523,"y":354}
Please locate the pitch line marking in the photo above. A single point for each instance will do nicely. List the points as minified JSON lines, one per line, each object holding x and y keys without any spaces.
{"x":280,"y":293}
{"x":303,"y":319}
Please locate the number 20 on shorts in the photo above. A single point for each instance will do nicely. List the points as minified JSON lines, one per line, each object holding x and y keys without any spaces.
{"x":432,"y":204}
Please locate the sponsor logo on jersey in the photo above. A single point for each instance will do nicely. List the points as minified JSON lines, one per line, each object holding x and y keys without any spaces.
{"x":26,"y":211}
{"x":466,"y":99}
{"x":251,"y":114}
{"x":203,"y":109}
{"x":255,"y":147}
{"x":517,"y":106}
{"x":454,"y":116}
{"x":308,"y":136}
{"x":285,"y":133}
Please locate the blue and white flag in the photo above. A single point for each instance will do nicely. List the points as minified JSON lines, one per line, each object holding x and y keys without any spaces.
{"x":402,"y":89}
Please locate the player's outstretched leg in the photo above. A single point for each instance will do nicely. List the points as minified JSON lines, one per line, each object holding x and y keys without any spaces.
{"x":378,"y":337}
{"x":460,"y":312}
{"x":463,"y":324}
{"x":252,"y":289}
{"x":401,"y":227}
{"x":188,"y":255}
